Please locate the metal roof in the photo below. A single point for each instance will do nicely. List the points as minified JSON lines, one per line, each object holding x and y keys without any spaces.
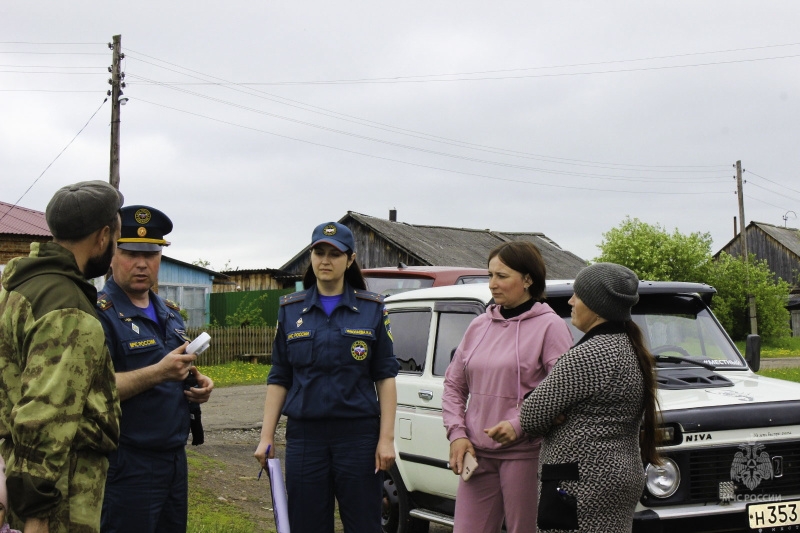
{"x":17,"y":220}
{"x":440,"y":245}
{"x":787,"y":237}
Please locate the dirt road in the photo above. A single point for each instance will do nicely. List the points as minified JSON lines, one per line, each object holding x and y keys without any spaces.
{"x":232,"y":419}
{"x":232,"y":422}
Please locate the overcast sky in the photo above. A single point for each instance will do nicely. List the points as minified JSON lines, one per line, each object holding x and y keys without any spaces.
{"x":251,"y":122}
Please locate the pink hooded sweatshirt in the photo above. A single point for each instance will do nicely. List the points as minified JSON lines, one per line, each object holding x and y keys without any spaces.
{"x":497,"y":363}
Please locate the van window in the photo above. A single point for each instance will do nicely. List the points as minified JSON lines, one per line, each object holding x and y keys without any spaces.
{"x":410,"y":332}
{"x":448,"y":336}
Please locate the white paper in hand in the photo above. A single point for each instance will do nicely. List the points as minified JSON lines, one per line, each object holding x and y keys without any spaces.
{"x":278,"y":490}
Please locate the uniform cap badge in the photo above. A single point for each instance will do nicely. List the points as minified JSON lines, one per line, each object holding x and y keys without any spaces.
{"x":329,"y":230}
{"x":142,"y":216}
{"x":141,"y":232}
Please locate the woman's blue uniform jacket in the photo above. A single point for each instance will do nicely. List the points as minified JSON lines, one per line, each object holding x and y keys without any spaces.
{"x":158,"y":418}
{"x":329,"y":364}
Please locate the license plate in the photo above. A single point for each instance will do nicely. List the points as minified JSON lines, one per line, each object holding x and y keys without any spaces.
{"x":774,"y":514}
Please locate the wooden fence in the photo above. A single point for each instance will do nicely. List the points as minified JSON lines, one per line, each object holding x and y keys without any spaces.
{"x":234,"y":344}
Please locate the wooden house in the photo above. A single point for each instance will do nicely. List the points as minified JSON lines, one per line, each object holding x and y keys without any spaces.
{"x":780,"y":247}
{"x":19,"y":227}
{"x":381,"y":243}
{"x":259,"y":279}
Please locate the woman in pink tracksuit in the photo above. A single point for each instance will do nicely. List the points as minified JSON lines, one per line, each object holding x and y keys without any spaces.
{"x":505,"y":353}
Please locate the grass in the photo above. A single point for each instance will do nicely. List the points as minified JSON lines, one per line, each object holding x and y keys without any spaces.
{"x":207,"y":513}
{"x":236,"y":373}
{"x":788,"y":374}
{"x":781,"y":347}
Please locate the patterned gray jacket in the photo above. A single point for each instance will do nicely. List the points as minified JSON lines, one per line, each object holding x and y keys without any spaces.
{"x":591,"y":474}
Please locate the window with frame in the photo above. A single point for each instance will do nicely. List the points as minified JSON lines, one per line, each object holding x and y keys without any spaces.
{"x":449,"y":333}
{"x":410,"y":330}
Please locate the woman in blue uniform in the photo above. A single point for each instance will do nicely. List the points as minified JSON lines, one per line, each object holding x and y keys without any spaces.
{"x":333,"y":376}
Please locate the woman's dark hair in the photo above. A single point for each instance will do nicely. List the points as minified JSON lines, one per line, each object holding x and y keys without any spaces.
{"x":650,"y":435}
{"x":352,"y":276}
{"x":525,"y":258}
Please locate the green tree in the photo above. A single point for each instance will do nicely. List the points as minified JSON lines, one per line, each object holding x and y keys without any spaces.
{"x":654,"y":254}
{"x":729,"y":276}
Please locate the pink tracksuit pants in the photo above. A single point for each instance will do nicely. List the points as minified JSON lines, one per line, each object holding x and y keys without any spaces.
{"x":500,"y":488}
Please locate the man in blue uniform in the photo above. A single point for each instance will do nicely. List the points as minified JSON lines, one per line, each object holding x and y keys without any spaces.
{"x":147,"y":486}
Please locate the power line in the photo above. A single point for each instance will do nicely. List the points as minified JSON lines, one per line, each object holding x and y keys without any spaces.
{"x":751,"y":197}
{"x":573,"y":65}
{"x":769,"y":180}
{"x":42,"y":43}
{"x":56,"y":158}
{"x":773,"y":192}
{"x":48,"y":72}
{"x":434,"y":152}
{"x":512,"y":180}
{"x":54,"y":53}
{"x":47,"y":66}
{"x":382,"y":81}
{"x":421,"y":135}
{"x":45,"y":91}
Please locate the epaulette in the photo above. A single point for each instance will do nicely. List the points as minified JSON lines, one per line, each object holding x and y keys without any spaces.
{"x":104,"y":302}
{"x":292,"y":298}
{"x":171,"y":304}
{"x":367,"y":295}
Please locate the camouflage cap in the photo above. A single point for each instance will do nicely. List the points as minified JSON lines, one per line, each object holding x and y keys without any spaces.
{"x":82,"y":208}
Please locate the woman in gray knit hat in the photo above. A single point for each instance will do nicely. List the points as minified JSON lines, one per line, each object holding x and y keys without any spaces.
{"x":591,"y":473}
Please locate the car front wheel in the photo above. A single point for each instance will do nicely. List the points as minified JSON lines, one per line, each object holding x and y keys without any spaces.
{"x":396,"y":506}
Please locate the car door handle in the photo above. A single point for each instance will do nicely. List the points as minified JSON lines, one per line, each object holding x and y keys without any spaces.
{"x":426,"y":394}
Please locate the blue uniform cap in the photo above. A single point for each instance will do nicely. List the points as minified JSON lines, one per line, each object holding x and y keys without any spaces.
{"x":335,"y":234}
{"x":143,"y":229}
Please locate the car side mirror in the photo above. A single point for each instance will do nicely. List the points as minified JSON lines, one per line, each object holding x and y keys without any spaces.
{"x":752,"y":352}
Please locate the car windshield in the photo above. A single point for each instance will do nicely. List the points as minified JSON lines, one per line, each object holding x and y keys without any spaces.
{"x":389,"y":286}
{"x":677,"y":326}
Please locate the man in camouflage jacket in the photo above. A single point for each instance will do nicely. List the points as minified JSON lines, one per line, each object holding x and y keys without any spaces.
{"x":59,"y":410}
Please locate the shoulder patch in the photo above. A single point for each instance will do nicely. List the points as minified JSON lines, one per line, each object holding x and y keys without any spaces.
{"x":171,"y":304}
{"x":367,"y":295}
{"x":104,"y":302}
{"x":292,"y":298}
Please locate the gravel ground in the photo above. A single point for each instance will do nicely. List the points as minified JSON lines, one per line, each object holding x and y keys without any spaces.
{"x":232,"y":422}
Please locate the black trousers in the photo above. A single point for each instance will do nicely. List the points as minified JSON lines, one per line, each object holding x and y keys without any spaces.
{"x":327,"y":458}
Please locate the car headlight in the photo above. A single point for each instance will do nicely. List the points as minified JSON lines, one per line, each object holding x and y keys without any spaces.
{"x":663,"y":480}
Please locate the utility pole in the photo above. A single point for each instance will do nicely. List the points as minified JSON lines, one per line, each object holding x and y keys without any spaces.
{"x":115,"y":93}
{"x":751,"y":300}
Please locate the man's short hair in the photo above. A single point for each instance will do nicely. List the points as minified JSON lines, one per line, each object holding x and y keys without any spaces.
{"x":78,"y":210}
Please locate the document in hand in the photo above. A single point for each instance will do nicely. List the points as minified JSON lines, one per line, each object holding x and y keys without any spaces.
{"x":278,"y":490}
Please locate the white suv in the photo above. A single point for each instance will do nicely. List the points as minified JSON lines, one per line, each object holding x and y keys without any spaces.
{"x":732,"y":438}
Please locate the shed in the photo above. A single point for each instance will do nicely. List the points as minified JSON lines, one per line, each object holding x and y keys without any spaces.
{"x":381,"y":243}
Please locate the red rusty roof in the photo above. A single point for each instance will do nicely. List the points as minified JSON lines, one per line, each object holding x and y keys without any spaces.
{"x":21,"y":221}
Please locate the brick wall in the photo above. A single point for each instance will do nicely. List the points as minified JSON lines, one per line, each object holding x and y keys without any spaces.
{"x":17,"y":245}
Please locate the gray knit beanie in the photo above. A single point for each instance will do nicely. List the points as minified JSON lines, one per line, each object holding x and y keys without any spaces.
{"x":608,"y":289}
